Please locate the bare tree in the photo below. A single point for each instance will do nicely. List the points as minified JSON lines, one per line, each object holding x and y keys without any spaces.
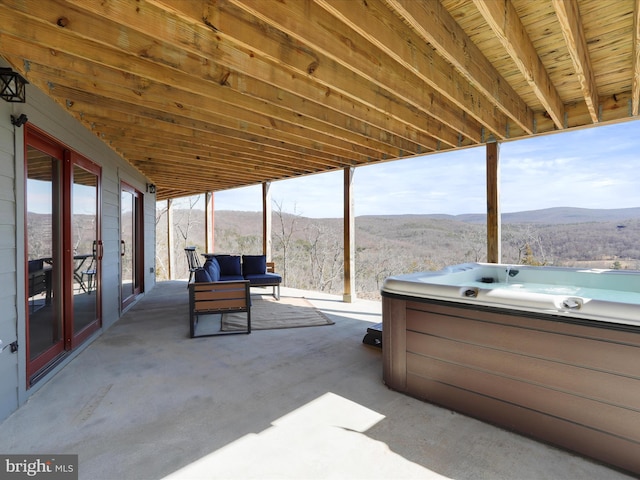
{"x":184,"y":225}
{"x":284,"y":235}
{"x":188,"y":223}
{"x":325,"y":256}
{"x":476,"y":242}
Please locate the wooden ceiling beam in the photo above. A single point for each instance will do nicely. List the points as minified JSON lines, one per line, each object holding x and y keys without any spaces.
{"x":225,"y":64}
{"x":205,"y":95}
{"x":141,"y":86}
{"x":569,"y":18}
{"x":173,"y":169}
{"x":213,"y":159}
{"x":89,"y":109}
{"x":131,"y":132}
{"x":217,"y":158}
{"x":195,"y":118}
{"x":419,"y":61}
{"x":174,"y":165}
{"x":81,"y":106}
{"x":100,"y":75}
{"x":301,"y":64}
{"x":436,"y":26}
{"x":206,"y":148}
{"x":177,"y":102}
{"x":501,"y":16}
{"x":160,"y":162}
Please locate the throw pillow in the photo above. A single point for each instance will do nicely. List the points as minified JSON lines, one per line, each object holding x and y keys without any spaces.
{"x":229,"y":264}
{"x":254,"y":264}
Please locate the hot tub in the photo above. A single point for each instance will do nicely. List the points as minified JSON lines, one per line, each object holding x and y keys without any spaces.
{"x":553,"y":353}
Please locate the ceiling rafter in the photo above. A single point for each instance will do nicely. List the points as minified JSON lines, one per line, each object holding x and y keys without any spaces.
{"x":375,"y":59}
{"x":147,"y":129}
{"x":503,"y":19}
{"x":228,"y":97}
{"x":310,"y":154}
{"x":377,"y":107}
{"x":436,"y":26}
{"x":569,"y":18}
{"x":193,"y":120}
{"x":417,"y":57}
{"x":243,"y":79}
{"x":207,"y":95}
{"x":416,"y":106}
{"x":243,"y":66}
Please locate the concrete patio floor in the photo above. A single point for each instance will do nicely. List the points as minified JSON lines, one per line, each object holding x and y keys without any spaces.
{"x":146,"y":402}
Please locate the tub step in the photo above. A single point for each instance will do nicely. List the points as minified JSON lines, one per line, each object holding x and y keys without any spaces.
{"x":374,"y":335}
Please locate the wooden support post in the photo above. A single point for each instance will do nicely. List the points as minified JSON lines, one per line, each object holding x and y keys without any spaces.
{"x":349,"y":238}
{"x":494,"y":254}
{"x":171,"y":260}
{"x":266,"y":220}
{"x":209,"y":222}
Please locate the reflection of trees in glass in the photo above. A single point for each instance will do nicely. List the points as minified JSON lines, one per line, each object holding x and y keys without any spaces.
{"x":84,"y":216}
{"x":39,"y":217}
{"x":84,"y":234}
{"x":39,"y":235}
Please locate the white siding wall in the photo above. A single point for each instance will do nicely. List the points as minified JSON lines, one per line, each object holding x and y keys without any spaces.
{"x":8,"y":287}
{"x":53,"y":119}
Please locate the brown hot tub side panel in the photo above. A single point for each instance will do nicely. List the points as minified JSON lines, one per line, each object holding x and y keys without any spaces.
{"x":576,"y":386}
{"x":395,"y":346}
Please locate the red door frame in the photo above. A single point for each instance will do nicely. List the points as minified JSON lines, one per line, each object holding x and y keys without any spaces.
{"x":138,"y":219}
{"x":40,"y":140}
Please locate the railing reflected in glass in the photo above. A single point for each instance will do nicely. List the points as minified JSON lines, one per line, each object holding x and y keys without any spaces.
{"x":43,"y":253}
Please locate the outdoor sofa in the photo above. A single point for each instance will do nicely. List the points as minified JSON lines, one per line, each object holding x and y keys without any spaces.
{"x":222,"y":285}
{"x":253,"y":268}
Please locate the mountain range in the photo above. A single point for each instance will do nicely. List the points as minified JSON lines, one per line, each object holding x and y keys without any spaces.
{"x":547,"y":216}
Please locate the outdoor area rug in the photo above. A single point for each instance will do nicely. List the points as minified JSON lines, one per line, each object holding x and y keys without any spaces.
{"x":268,"y":313}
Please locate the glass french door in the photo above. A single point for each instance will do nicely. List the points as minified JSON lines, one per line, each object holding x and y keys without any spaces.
{"x":64,"y":250}
{"x":87,"y":249}
{"x":131,"y":243}
{"x":45,"y":336}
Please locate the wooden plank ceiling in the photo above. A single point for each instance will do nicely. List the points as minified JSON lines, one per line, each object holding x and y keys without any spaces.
{"x":206,"y":95}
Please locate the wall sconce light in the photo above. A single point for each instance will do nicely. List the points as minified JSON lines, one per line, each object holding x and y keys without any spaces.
{"x":12,"y":86}
{"x":19,"y":121}
{"x":151,"y":188}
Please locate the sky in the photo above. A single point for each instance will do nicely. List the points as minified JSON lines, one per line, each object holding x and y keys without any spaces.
{"x":589,"y":168}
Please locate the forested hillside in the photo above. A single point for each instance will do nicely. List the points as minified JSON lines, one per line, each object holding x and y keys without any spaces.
{"x":308,"y":251}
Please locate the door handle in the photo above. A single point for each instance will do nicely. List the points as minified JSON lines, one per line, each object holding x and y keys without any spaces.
{"x":122,"y":248}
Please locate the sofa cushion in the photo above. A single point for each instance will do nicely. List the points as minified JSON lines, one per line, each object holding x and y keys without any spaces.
{"x":254,"y":264}
{"x":202,"y":276}
{"x":231,"y":278}
{"x":213,"y":269}
{"x":264,"y":278}
{"x":229,"y":265}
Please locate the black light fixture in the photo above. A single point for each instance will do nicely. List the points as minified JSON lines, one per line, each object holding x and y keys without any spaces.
{"x":12,"y":86}
{"x":19,"y":121}
{"x":151,"y":188}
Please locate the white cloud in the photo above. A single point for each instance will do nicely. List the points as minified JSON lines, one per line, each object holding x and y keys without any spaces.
{"x":591,"y":168}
